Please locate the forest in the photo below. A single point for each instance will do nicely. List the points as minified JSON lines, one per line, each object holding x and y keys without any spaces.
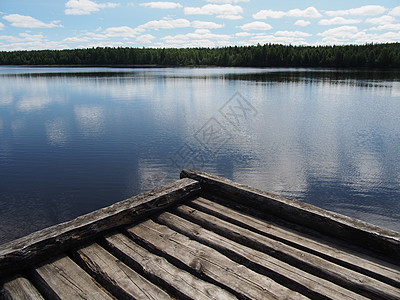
{"x":268,"y":55}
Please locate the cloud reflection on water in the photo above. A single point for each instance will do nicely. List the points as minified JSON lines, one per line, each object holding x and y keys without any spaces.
{"x":57,"y":131}
{"x":90,"y":119}
{"x":331,"y":140}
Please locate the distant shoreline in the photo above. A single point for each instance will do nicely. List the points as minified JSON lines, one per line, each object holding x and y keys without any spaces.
{"x":382,"y":56}
{"x":378,"y":69}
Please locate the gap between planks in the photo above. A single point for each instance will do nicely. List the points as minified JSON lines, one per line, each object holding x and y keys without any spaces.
{"x":316,"y":265}
{"x":360,"y":262}
{"x":208,"y":262}
{"x":180,"y":282}
{"x":293,"y":278}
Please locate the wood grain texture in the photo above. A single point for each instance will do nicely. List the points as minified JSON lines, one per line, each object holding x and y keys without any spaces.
{"x":64,"y":279}
{"x":377,"y":239}
{"x":308,"y":262}
{"x":303,"y":282}
{"x":57,"y":239}
{"x":116,"y":276}
{"x":209,"y":262}
{"x":19,"y":288}
{"x":181,"y":283}
{"x":349,"y":258}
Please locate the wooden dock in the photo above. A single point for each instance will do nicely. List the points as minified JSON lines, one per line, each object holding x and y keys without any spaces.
{"x":204,"y":237}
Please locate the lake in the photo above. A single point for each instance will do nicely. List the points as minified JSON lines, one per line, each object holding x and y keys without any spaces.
{"x":73,"y":140}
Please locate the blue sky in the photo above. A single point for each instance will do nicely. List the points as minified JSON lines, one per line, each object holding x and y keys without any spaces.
{"x":65,"y":24}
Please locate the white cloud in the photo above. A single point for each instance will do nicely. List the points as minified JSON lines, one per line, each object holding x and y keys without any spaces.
{"x":24,"y":40}
{"x":265,"y":39}
{"x":17,"y":20}
{"x":338,"y":21}
{"x":340,"y":34}
{"x":85,"y":7}
{"x":309,"y":12}
{"x":257,"y":25}
{"x":1,"y":26}
{"x":10,"y":39}
{"x":193,"y":43}
{"x":340,"y":31}
{"x":76,"y":39}
{"x":381,"y":20}
{"x":230,"y":17}
{"x":395,"y":11}
{"x":393,"y":27}
{"x":146,"y":38}
{"x":227,"y":1}
{"x":243,"y":34}
{"x":298,"y":34}
{"x":105,"y":44}
{"x":204,"y":24}
{"x":162,"y":5}
{"x":387,"y":37}
{"x":31,"y":37}
{"x":123,"y":31}
{"x":223,"y":11}
{"x":366,"y":10}
{"x":97,"y":36}
{"x":198,"y":38}
{"x":198,"y":34}
{"x":302,"y":23}
{"x":360,"y":37}
{"x":165,"y":24}
{"x":34,"y":45}
{"x":268,"y":13}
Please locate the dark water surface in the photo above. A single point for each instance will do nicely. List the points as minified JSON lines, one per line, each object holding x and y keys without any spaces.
{"x":73,"y":140}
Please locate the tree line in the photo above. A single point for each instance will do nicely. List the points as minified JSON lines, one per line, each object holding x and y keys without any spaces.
{"x":268,"y":55}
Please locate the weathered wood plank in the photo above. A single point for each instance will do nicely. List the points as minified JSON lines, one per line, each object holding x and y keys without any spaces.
{"x":57,"y":239}
{"x":207,"y":261}
{"x":377,"y":239}
{"x":316,"y":265}
{"x":359,"y":262}
{"x":296,"y":279}
{"x":64,"y":279}
{"x":19,"y":288}
{"x":182,"y":283}
{"x":117,"y":277}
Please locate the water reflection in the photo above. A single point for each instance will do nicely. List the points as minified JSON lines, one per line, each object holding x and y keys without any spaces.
{"x":368,"y":78}
{"x":74,"y":140}
{"x":5,"y":100}
{"x":57,"y":131}
{"x":90,"y":119}
{"x":27,"y":104}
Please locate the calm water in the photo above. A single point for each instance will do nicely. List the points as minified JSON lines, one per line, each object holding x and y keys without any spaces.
{"x":73,"y":140}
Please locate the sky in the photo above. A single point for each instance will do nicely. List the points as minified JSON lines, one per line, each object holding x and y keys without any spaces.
{"x":69,"y":24}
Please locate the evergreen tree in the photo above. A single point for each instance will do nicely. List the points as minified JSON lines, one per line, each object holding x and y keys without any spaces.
{"x":268,"y":55}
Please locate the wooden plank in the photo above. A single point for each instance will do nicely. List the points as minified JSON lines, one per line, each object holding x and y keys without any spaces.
{"x":19,"y":288}
{"x":181,"y":283}
{"x":308,"y":262}
{"x":377,"y":239}
{"x":117,"y":277}
{"x":64,"y":279}
{"x":209,"y":262}
{"x":296,"y":279}
{"x":36,"y":247}
{"x":359,"y":262}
